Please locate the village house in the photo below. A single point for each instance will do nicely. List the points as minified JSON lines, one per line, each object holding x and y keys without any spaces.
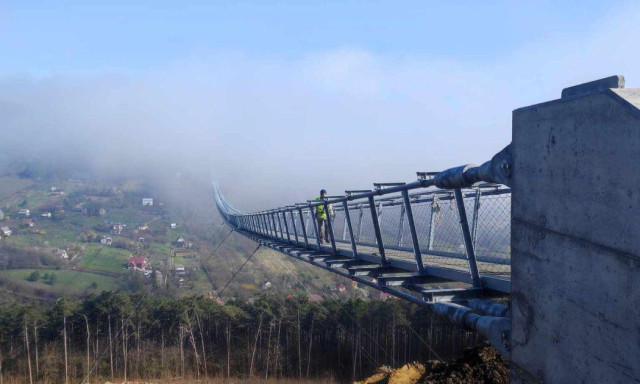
{"x":5,"y":231}
{"x":62,"y":253}
{"x":147,"y":201}
{"x":181,"y":243}
{"x":137,"y":262}
{"x":106,"y":240}
{"x":24,"y":212}
{"x":57,"y":193}
{"x":117,"y":228}
{"x":172,"y":226}
{"x":46,"y":215}
{"x":179,"y":268}
{"x":28,"y":223}
{"x":340,"y":287}
{"x":1,"y":215}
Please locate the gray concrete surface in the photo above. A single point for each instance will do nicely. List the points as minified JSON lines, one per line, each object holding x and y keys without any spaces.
{"x":596,"y":85}
{"x":576,"y":239}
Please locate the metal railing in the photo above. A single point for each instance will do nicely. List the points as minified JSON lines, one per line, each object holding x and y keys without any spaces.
{"x":462,"y":230}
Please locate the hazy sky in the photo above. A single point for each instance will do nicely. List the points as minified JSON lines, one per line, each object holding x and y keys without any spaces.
{"x":283,"y":98}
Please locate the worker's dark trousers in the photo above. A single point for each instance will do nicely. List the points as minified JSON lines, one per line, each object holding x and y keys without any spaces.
{"x":323,"y":230}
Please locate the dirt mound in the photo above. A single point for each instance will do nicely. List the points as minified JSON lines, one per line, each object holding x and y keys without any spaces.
{"x":380,"y":377}
{"x":479,"y":365}
{"x":407,"y":374}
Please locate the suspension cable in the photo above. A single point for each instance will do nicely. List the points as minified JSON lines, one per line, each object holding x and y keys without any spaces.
{"x":409,"y":325}
{"x":366,"y":353}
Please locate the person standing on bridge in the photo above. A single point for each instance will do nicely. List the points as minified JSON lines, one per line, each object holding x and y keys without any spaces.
{"x":321,"y":217}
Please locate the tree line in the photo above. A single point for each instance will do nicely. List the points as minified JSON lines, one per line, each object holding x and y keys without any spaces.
{"x":114,"y":335}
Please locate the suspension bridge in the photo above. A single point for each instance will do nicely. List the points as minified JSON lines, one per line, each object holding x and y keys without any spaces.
{"x":536,"y":225}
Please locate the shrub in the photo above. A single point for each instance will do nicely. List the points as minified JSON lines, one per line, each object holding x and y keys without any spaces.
{"x":34,"y":276}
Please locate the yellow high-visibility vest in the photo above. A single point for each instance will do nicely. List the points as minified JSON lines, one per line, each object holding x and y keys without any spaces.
{"x":320,"y":213}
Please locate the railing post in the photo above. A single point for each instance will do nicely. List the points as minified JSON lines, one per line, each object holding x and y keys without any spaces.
{"x":471,"y":256}
{"x":412,"y":229}
{"x":275,"y":227}
{"x":280,"y":226}
{"x":312,"y":216}
{"x":286,"y":225}
{"x":400,"y":236}
{"x":474,"y":217}
{"x":265,"y":226}
{"x":352,"y":239}
{"x":295,"y":227}
{"x":344,"y":226}
{"x":432,"y":222}
{"x":304,"y":229}
{"x":376,"y":228}
{"x":359,"y":223}
{"x":330,"y":227}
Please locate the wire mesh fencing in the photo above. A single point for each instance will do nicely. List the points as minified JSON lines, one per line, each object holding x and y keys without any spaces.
{"x":436,"y":221}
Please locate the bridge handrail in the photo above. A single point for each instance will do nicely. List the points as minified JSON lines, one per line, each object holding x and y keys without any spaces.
{"x":288,"y":224}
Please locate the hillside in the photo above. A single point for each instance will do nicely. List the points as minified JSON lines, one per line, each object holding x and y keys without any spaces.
{"x":75,"y":237}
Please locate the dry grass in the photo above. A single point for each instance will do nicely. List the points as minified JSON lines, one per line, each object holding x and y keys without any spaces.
{"x":25,"y":380}
{"x":230,"y":381}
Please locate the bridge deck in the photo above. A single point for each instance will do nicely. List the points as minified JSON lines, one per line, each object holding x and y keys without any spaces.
{"x":446,"y":226}
{"x":485,"y":268}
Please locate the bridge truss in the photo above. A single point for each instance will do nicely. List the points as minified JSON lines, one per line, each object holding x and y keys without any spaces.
{"x":437,"y":241}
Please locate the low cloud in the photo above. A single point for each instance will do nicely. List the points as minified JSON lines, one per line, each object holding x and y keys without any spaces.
{"x":275,"y":131}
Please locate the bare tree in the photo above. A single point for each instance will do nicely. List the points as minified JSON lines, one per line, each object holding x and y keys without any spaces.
{"x":310,"y":343}
{"x":86,"y":321}
{"x":66,"y":358}
{"x":35,"y":340}
{"x":26,"y":345}
{"x":255,"y":345}
{"x":299,"y":350}
{"x":229,"y":349}
{"x":110,"y":347}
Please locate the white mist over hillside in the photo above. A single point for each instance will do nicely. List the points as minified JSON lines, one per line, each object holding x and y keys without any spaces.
{"x":274,"y":130}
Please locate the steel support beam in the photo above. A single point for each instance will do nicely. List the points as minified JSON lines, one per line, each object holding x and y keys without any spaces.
{"x":471,"y":256}
{"x":414,"y":234}
{"x":376,"y":228}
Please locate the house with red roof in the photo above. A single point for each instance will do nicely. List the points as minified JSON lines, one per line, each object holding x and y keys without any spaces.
{"x":137,"y":262}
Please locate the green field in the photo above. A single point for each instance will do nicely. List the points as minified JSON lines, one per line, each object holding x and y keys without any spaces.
{"x":105,"y":258}
{"x":68,"y":282}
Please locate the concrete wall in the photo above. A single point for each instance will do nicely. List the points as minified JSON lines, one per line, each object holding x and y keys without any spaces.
{"x":576,"y":239}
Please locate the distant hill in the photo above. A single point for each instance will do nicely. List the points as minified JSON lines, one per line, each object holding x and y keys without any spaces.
{"x":85,"y":232}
